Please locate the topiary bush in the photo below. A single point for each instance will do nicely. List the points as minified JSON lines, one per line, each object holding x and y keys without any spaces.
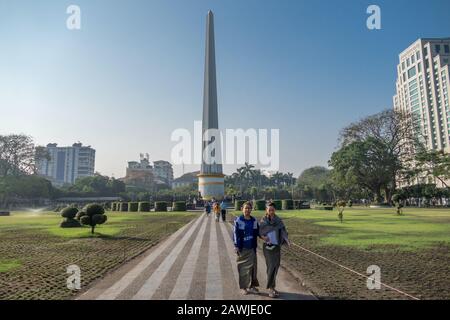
{"x":114,"y":206}
{"x":259,"y":204}
{"x":69,"y":215}
{"x":287,"y":204}
{"x":160,"y":206}
{"x":123,"y":207}
{"x":179,"y":206}
{"x":238,"y":204}
{"x":144,"y":207}
{"x":278,"y":204}
{"x":93,"y":215}
{"x":133,"y":206}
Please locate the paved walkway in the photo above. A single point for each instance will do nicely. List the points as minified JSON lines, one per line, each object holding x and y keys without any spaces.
{"x":196,"y":262}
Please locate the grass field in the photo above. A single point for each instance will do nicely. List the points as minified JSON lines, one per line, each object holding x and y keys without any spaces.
{"x":35,"y":251}
{"x":413,"y":251}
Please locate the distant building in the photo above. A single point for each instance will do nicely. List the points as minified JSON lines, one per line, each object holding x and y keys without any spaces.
{"x":140,"y":173}
{"x":163,"y":171}
{"x":423,"y":82}
{"x":422,"y":90}
{"x":186,"y":180}
{"x":67,"y":164}
{"x":144,"y":174}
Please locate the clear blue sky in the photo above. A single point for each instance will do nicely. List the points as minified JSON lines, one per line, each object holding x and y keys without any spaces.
{"x":134,"y":72}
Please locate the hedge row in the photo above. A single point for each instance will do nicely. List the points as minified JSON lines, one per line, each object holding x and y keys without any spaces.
{"x":285,"y":204}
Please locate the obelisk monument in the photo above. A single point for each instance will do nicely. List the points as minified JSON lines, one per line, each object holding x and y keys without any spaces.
{"x":211,"y":178}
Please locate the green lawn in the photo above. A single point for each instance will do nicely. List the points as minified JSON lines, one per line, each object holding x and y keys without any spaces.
{"x":365,"y":227}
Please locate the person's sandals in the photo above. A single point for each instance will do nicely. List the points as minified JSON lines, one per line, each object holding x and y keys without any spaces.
{"x":253,"y":290}
{"x":244,"y":292}
{"x":273,"y":293}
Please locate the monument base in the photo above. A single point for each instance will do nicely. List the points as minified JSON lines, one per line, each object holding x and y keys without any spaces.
{"x":211,"y":186}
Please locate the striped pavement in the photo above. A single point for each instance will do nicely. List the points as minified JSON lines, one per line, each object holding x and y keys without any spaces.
{"x":197,"y":262}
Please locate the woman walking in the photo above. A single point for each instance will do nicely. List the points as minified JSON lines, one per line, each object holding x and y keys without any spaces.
{"x":274,"y":233}
{"x":216,"y":210}
{"x":246,"y":232}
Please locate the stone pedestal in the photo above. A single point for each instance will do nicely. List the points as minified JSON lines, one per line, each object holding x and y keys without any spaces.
{"x":211,"y":186}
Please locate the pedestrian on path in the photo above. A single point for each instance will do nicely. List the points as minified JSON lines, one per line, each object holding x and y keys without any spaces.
{"x":207,"y":208}
{"x":223,"y":210}
{"x":216,"y":210}
{"x":246,"y":232}
{"x":274,"y":233}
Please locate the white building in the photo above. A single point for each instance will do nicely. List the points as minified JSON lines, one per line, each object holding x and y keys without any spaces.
{"x":422,"y":89}
{"x":67,"y":164}
{"x":164,"y":171}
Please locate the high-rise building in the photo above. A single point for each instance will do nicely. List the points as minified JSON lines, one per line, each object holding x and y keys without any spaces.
{"x":164,"y":171}
{"x":67,"y":164}
{"x":422,"y":90}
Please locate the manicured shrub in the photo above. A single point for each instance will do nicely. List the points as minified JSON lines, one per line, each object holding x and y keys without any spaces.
{"x":238,"y":204}
{"x":69,"y":215}
{"x":287,"y":204}
{"x":278,"y":204}
{"x":69,"y":212}
{"x":179,"y":206}
{"x":144,"y":207}
{"x":259,"y":204}
{"x":160,"y":206}
{"x":124,"y":206}
{"x":349,"y":203}
{"x":94,"y":214}
{"x":114,"y":206}
{"x":133,"y":206}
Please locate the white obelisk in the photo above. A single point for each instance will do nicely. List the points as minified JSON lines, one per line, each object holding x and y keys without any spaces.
{"x":211,"y":178}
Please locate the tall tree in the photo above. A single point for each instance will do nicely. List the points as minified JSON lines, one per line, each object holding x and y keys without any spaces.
{"x":392,"y":138}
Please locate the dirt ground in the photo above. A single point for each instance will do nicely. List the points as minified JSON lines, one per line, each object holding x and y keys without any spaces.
{"x":45,"y":257}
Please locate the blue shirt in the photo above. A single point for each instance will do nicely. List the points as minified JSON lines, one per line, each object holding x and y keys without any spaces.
{"x":246,"y":233}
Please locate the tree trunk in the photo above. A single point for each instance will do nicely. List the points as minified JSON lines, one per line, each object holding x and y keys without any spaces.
{"x":92,"y":229}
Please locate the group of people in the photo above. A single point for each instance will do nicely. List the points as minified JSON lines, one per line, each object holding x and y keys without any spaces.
{"x":219,"y":210}
{"x":247,"y":230}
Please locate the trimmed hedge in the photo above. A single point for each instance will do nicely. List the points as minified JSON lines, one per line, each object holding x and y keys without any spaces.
{"x":123,"y":206}
{"x":259,"y":204}
{"x":144,"y":207}
{"x":238,"y":204}
{"x":160,"y":206}
{"x":114,"y":206}
{"x":322,"y":207}
{"x":278,"y":204}
{"x":133,"y":206}
{"x":287,"y":204}
{"x":179,"y":206}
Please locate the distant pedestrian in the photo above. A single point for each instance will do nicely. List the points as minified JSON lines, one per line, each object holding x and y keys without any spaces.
{"x":274,"y":233}
{"x":246,"y":232}
{"x":216,"y":210}
{"x":223,"y":210}
{"x":207,"y":208}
